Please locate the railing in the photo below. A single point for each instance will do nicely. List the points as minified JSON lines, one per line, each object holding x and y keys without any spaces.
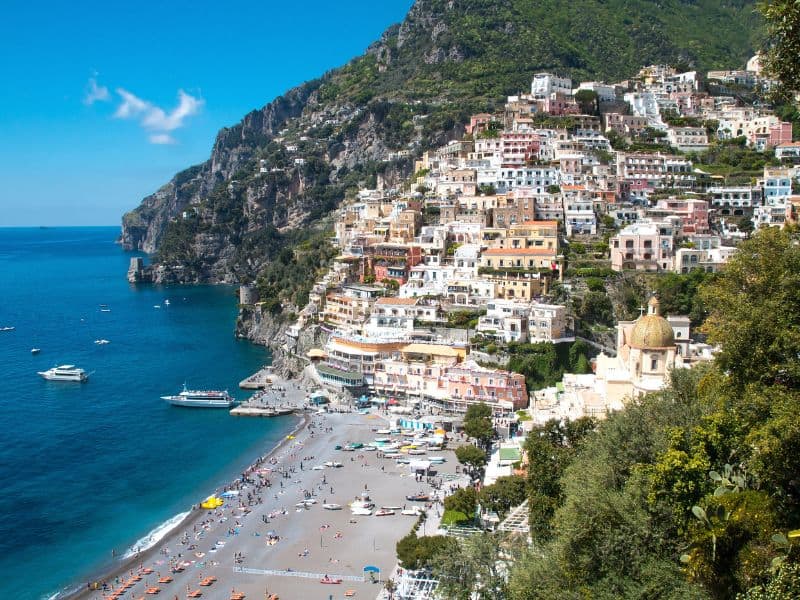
{"x":302,"y":574}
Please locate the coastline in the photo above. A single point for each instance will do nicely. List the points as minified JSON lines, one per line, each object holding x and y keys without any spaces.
{"x":195,"y":514}
{"x":274,"y":536}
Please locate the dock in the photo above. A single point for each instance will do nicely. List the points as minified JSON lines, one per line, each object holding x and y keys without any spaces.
{"x":259,"y":380}
{"x":282,"y":398}
{"x":244,"y":410}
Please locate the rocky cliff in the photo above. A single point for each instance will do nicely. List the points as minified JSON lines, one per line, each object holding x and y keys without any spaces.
{"x":286,"y":166}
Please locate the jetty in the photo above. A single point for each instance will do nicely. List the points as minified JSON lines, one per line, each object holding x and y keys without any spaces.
{"x":244,"y":410}
{"x":276,"y":401}
{"x":259,"y":380}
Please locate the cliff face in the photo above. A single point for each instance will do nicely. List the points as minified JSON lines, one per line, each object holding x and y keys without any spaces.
{"x":288,"y":165}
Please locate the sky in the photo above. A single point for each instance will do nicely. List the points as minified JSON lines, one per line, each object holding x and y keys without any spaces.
{"x":103,"y":102}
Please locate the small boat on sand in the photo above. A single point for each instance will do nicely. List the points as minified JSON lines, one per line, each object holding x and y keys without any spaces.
{"x":327,"y":579}
{"x":418,"y":498}
{"x":332,"y":506}
{"x":384,"y":513}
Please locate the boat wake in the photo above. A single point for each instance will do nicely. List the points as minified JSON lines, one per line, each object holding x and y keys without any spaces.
{"x":156,"y":535}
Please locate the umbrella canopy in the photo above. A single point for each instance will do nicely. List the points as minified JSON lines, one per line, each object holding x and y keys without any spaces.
{"x":371,"y":569}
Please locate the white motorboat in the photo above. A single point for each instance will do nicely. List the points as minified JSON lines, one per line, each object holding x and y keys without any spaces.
{"x":384,"y":513}
{"x":414,"y":511}
{"x":166,"y":302}
{"x":7,"y":328}
{"x":65,"y":373}
{"x":360,"y":510}
{"x":201,"y":399}
{"x":332,"y":506}
{"x":35,"y":350}
{"x":102,"y":342}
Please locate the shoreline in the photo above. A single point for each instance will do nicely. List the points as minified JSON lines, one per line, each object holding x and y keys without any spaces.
{"x":123,"y":565}
{"x":287,"y":525}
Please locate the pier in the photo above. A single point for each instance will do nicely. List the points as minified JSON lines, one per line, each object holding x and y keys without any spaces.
{"x":259,"y":380}
{"x":275,"y":399}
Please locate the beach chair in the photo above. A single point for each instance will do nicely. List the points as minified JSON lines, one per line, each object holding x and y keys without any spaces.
{"x":194,"y":594}
{"x":165,"y":579}
{"x":152,"y":590}
{"x":349,"y":593}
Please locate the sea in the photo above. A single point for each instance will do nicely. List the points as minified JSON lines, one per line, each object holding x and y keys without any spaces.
{"x":87,"y":470}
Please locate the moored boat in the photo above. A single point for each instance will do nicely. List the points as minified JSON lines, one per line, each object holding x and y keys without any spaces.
{"x":35,"y":350}
{"x":201,"y":399}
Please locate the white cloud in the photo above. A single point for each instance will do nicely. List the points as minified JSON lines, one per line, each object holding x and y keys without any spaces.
{"x":161,"y":138}
{"x":95,"y":93}
{"x":154,"y":119}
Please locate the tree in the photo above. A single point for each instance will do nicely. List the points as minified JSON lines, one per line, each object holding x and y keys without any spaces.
{"x":471,"y":456}
{"x":478,"y":424}
{"x":463,"y":500}
{"x":415,"y":552}
{"x":504,"y":494}
{"x":589,"y":101}
{"x":783,"y":24}
{"x":478,"y":570}
{"x":754,"y":310}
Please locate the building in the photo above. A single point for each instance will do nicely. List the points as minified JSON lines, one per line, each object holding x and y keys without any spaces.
{"x":643,"y":246}
{"x":517,"y":258}
{"x":545,"y":84}
{"x":549,"y":323}
{"x":469,"y":383}
{"x":505,"y":321}
{"x":688,"y":139}
{"x":734,"y":201}
{"x":349,"y":308}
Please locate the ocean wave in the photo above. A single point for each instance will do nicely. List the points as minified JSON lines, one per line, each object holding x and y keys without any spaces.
{"x":156,"y":535}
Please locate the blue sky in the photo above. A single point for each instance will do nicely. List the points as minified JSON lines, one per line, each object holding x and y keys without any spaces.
{"x":102,"y":102}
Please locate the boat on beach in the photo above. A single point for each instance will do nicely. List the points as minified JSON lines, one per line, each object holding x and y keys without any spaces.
{"x":418,"y":498}
{"x":384,"y":513}
{"x":65,"y":373}
{"x":201,"y":399}
{"x":327,"y":579}
{"x":332,"y":506}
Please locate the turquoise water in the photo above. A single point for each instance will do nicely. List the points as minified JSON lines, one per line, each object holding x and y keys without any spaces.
{"x":87,"y":468}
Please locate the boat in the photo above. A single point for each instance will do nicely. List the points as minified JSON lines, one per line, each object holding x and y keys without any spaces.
{"x":156,"y":306}
{"x":418,"y":497}
{"x":65,"y":373}
{"x":360,"y":510}
{"x":166,"y":302}
{"x":384,"y":513}
{"x":390,"y":507}
{"x":414,"y":511}
{"x":332,"y":506}
{"x":201,"y":399}
{"x":7,"y":328}
{"x":327,"y":579}
{"x":101,"y":342}
{"x":35,"y":350}
{"x":104,"y":308}
{"x":417,"y":452}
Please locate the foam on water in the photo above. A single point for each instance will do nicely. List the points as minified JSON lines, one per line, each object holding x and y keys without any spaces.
{"x":155,"y":536}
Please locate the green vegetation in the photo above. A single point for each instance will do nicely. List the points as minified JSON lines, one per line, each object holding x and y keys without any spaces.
{"x":543,"y":364}
{"x":478,"y":425}
{"x":471,"y":456}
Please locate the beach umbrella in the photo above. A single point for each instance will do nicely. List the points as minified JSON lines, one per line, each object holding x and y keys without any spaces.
{"x":371,"y":569}
{"x":272,"y":533}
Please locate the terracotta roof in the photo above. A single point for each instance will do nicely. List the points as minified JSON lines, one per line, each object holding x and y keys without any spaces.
{"x":520,"y":251}
{"x":403,"y":301}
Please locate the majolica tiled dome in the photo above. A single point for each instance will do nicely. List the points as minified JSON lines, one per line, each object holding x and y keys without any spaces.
{"x":652,"y":331}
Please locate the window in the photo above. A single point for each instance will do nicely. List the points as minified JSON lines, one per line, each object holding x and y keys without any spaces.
{"x":654,"y":364}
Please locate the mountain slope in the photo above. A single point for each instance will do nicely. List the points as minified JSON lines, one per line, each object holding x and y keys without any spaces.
{"x":225,"y":219}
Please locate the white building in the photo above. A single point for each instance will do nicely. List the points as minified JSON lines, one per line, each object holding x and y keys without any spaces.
{"x":544,"y":84}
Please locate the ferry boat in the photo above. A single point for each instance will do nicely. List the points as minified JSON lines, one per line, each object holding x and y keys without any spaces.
{"x":65,"y":373}
{"x":201,"y":399}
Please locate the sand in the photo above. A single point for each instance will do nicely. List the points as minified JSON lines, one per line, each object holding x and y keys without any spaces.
{"x":231,"y":543}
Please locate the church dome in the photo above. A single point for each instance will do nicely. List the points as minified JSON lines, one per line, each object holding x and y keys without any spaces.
{"x":652,"y":331}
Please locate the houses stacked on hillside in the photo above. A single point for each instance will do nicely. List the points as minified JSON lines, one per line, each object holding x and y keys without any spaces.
{"x":468,"y":256}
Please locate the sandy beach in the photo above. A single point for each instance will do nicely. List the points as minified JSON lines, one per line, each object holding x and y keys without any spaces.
{"x":261,"y":530}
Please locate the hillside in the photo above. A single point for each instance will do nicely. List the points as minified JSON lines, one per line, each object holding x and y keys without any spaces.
{"x":290,"y":163}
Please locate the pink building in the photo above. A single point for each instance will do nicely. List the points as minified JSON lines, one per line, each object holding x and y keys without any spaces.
{"x":469,"y":383}
{"x":780,"y":133}
{"x":643,"y":246}
{"x":479,"y":123}
{"x":518,"y":148}
{"x":692,"y":212}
